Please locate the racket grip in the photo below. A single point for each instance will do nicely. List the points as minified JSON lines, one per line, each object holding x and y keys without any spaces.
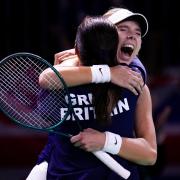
{"x":112,"y":164}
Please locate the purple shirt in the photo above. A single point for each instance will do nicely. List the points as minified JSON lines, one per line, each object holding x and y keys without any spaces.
{"x":68,"y":162}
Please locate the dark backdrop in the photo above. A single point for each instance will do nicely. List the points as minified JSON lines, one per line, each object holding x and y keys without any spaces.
{"x":46,"y":27}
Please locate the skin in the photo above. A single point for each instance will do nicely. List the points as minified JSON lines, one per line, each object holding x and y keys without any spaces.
{"x":129,"y":79}
{"x":142,"y":149}
{"x":130,"y":34}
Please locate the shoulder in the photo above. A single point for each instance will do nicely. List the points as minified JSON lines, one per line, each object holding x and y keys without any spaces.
{"x":136,"y":63}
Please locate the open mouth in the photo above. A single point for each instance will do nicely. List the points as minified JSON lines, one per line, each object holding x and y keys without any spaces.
{"x":127,"y":49}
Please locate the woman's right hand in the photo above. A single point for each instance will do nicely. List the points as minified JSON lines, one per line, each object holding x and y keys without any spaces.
{"x":64,"y":55}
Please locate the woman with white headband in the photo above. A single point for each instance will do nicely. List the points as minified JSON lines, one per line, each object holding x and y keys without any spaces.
{"x":140,"y":146}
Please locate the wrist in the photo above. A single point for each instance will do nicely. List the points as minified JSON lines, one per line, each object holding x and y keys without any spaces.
{"x":113,"y":143}
{"x":100,"y":73}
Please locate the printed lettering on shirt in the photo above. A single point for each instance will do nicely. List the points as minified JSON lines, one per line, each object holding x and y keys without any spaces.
{"x":84,"y":110}
{"x":80,"y":99}
{"x":121,"y":107}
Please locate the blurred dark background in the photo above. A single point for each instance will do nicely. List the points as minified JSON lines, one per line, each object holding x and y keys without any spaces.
{"x":46,"y":27}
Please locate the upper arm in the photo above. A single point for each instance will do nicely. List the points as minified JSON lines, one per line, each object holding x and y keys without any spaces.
{"x":144,"y":125}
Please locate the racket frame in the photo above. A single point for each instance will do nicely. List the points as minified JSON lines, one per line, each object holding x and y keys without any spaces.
{"x":70,"y":108}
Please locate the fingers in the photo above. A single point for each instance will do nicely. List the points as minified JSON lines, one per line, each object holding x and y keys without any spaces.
{"x":135,"y":87}
{"x":133,"y":90}
{"x":90,"y":130}
{"x":127,"y":78}
{"x":78,"y":141}
{"x":61,"y":56}
{"x":57,"y":58}
{"x":89,"y":140}
{"x":136,"y":83}
{"x":76,"y":138}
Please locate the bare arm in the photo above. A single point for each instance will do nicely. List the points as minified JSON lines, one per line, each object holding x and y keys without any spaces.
{"x":142,"y":149}
{"x":73,"y":76}
{"x":121,"y":76}
{"x":78,"y":75}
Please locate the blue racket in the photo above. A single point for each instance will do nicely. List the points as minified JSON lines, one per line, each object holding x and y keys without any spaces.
{"x":26,"y":103}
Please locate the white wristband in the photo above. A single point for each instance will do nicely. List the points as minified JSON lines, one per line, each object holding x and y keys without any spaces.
{"x":113,"y":143}
{"x":100,"y":73}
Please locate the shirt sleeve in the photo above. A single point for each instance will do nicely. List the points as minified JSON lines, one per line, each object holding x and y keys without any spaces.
{"x":136,"y":63}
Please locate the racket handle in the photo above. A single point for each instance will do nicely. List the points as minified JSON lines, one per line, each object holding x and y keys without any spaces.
{"x":112,"y":164}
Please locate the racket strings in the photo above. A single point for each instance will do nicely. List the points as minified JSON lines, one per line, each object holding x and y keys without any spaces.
{"x":35,"y":118}
{"x":20,"y":76}
{"x":20,"y":80}
{"x":18,"y":94}
{"x":16,"y":78}
{"x":21,"y":66}
{"x":42,"y":109}
{"x":54,"y":82}
{"x":23,"y":117}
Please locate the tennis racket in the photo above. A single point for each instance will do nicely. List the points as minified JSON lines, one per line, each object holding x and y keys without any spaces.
{"x":25,"y":102}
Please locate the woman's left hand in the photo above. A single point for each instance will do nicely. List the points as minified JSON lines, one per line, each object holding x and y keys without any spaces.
{"x":89,"y":140}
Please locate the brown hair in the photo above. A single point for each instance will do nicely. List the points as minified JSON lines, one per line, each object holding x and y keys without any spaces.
{"x":96,"y":43}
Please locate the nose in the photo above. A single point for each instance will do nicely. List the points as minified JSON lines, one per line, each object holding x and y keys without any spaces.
{"x":131,"y":36}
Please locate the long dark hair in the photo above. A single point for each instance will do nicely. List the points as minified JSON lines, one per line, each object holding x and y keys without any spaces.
{"x":96,"y":43}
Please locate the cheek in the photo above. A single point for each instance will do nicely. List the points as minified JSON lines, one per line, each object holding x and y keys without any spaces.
{"x":118,"y":50}
{"x":121,"y":35}
{"x":138,"y":46}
